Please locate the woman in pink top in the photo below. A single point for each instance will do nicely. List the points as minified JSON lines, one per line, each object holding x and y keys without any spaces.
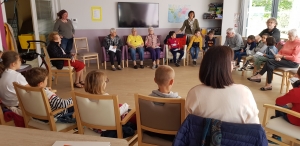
{"x":288,"y":56}
{"x":152,"y":45}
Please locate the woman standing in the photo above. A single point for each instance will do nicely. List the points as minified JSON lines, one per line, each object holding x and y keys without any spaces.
{"x":65,"y":29}
{"x":190,"y":25}
{"x":217,"y":96}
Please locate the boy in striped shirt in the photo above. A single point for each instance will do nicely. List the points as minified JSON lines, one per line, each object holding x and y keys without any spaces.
{"x":38,"y":77}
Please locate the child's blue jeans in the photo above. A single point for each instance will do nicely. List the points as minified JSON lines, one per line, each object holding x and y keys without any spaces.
{"x":238,"y":55}
{"x":194,"y":52}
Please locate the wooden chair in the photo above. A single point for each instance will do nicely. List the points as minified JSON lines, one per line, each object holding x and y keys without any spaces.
{"x":99,"y":112}
{"x":182,"y":43}
{"x":280,"y":127}
{"x":290,"y":74}
{"x":35,"y":104}
{"x":65,"y":71}
{"x":158,"y":115}
{"x":283,"y":72}
{"x":85,"y":56}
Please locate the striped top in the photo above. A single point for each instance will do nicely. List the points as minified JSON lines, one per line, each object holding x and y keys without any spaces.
{"x":57,"y":103}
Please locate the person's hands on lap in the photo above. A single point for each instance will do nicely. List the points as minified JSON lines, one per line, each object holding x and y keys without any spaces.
{"x":242,"y":50}
{"x":277,"y":59}
{"x":278,"y":56}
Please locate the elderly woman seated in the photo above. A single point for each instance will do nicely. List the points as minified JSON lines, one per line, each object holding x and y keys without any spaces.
{"x":288,"y":56}
{"x":55,"y":51}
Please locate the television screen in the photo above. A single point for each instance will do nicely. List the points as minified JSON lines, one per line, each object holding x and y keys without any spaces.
{"x":132,"y":14}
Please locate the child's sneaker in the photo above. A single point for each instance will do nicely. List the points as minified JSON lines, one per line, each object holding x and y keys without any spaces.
{"x":177,"y":64}
{"x":194,"y":63}
{"x":241,"y":69}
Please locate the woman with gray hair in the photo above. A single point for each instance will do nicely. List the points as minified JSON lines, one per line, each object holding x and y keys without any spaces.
{"x":152,"y":45}
{"x":113,"y":40}
{"x":272,"y":30}
{"x":288,"y":56}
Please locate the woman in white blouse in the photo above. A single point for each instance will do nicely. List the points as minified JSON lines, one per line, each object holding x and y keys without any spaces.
{"x":218,"y":97}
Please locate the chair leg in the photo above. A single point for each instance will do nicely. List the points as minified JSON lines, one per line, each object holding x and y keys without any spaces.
{"x":187,"y":60}
{"x":163,"y":61}
{"x":184,"y":62}
{"x":127,"y":63}
{"x":167,"y":61}
{"x":243,"y":72}
{"x":105,"y":65}
{"x":123,"y":63}
{"x":288,"y":83}
{"x":98,"y":62}
{"x":283,"y":81}
{"x":84,"y":64}
{"x":71,"y":81}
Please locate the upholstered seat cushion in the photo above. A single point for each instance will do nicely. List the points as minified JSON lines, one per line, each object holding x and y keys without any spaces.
{"x":293,"y":71}
{"x":282,"y":126}
{"x":88,"y":54}
{"x":44,"y":126}
{"x":157,"y":139}
{"x":285,"y":68}
{"x":88,"y":131}
{"x":64,"y":68}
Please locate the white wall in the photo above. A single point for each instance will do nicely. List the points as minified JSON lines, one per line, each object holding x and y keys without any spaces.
{"x":81,"y":10}
{"x":230,"y":7}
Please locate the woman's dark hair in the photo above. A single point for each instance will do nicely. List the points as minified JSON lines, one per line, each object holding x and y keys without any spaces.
{"x":191,"y":12}
{"x":60,"y":13}
{"x":271,"y":41}
{"x":8,"y":58}
{"x":216,"y":67}
{"x":251,"y":37}
{"x":171,"y":33}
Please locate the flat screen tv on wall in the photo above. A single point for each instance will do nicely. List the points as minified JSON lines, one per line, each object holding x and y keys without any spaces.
{"x":131,"y":14}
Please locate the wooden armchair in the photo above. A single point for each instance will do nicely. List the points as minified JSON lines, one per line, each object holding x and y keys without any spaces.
{"x":182,"y":43}
{"x":281,"y":127}
{"x":35,"y":104}
{"x":65,"y":71}
{"x":99,"y":112}
{"x":158,"y":116}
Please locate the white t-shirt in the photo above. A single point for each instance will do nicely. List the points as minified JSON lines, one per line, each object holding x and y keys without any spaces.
{"x":7,"y":91}
{"x":233,"y":104}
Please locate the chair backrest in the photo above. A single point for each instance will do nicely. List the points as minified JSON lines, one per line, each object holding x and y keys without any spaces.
{"x":33,"y":101}
{"x":81,"y":44}
{"x":101,"y":38}
{"x":160,"y":115}
{"x":125,"y":39}
{"x":182,"y":41}
{"x":96,"y":111}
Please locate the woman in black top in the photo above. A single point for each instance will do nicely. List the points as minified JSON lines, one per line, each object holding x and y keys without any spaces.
{"x":272,"y":30}
{"x":55,"y":51}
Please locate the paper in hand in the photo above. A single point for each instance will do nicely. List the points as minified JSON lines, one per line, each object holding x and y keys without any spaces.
{"x":111,"y":48}
{"x":259,"y":53}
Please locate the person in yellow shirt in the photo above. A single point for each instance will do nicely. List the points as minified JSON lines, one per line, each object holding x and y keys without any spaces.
{"x":195,"y":45}
{"x":136,"y":45}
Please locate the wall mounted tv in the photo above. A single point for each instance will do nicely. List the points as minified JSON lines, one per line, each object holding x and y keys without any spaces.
{"x":135,"y":14}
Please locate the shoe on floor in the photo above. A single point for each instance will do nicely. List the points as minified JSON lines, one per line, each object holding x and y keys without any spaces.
{"x":177,"y":64}
{"x":154,"y":67}
{"x":135,"y":67}
{"x":113,"y":69}
{"x":119,"y":68}
{"x":266,"y":88}
{"x":194,"y":63}
{"x":141,"y":66}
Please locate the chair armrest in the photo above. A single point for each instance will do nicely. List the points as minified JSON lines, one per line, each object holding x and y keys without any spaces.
{"x":123,"y":52}
{"x":103,"y":58}
{"x":60,"y":110}
{"x":60,"y":59}
{"x":278,"y":108}
{"x":128,"y":117}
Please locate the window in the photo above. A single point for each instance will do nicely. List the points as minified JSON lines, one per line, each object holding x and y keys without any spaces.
{"x":284,"y":10}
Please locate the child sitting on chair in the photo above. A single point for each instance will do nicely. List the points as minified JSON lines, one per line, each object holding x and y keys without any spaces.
{"x":38,"y":77}
{"x":164,"y":78}
{"x":251,"y":44}
{"x":261,"y":47}
{"x":209,"y":40}
{"x":174,"y":47}
{"x":95,"y":83}
{"x":292,"y":97}
{"x":195,"y":45}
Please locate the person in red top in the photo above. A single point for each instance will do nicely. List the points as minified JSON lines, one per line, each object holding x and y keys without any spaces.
{"x":288,"y":56}
{"x":174,"y":47}
{"x":293,"y":97}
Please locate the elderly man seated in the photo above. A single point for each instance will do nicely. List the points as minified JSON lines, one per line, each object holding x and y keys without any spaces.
{"x":233,"y":40}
